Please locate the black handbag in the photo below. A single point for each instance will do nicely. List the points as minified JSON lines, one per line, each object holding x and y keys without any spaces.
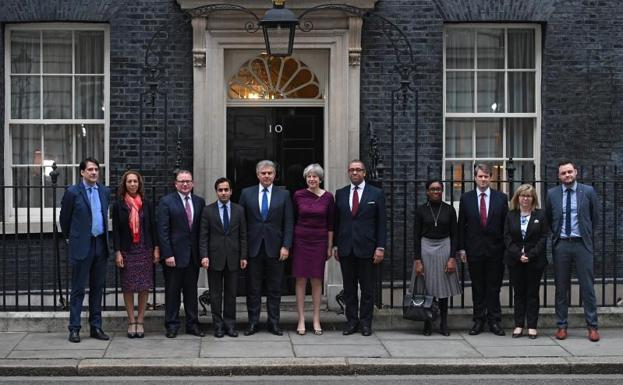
{"x":417,"y":305}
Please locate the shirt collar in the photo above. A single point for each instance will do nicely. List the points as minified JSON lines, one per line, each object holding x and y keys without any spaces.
{"x":88,"y":186}
{"x":574,"y":187}
{"x":269,"y":188}
{"x":487,"y":192}
{"x":221,"y":204}
{"x":361,"y":186}
{"x":182,"y":196}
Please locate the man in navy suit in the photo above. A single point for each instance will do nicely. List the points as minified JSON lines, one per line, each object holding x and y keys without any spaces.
{"x":573,"y":221}
{"x":270,"y":224}
{"x":84,"y":222}
{"x":359,"y":244}
{"x":179,"y":215}
{"x":482,"y":213}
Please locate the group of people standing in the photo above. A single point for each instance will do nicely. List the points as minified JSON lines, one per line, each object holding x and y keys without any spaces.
{"x":267,"y":226}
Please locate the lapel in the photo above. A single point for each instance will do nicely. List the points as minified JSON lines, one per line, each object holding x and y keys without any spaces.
{"x":579,"y":196}
{"x":83,"y":192}
{"x":491,"y":210}
{"x":216,"y":212}
{"x":255,"y":191}
{"x":558,"y":195}
{"x":196,"y":210}
{"x":531,"y":225}
{"x":363,"y":202}
{"x":180,"y":207}
{"x":473,"y":203}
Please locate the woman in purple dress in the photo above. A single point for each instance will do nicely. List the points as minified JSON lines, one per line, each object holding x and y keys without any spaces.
{"x":313,"y":242}
{"x":136,"y":249}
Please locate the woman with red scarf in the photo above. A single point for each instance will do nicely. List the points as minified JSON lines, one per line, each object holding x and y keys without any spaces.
{"x":136,"y":247}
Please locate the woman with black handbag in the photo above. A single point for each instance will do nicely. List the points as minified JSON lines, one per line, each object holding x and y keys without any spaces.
{"x":435,"y":248}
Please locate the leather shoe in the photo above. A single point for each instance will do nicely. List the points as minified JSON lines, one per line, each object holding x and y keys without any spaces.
{"x":251,"y":330}
{"x":195,"y":331}
{"x":428,"y":328}
{"x":219,"y":333}
{"x":231,"y":332}
{"x":349,"y":329}
{"x":366,"y":331}
{"x":171,"y":333}
{"x":561,"y":334}
{"x":593,"y":334}
{"x":275,"y":329}
{"x":496,"y":329}
{"x":99,"y":334}
{"x":476,"y":328}
{"x":74,"y":336}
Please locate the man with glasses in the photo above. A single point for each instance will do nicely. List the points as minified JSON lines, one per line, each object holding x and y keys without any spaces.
{"x":179,"y":215}
{"x":359,"y":244}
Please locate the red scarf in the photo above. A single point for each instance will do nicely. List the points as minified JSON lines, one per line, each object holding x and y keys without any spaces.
{"x":135,"y":204}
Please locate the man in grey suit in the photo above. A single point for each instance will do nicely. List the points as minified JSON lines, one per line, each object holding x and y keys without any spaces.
{"x":573,"y":220}
{"x":270,"y":224}
{"x":223,"y":248}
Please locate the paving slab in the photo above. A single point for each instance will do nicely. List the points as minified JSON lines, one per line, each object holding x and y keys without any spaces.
{"x":581,"y":346}
{"x":58,"y":341}
{"x":8,"y":341}
{"x":427,"y":349}
{"x":171,"y":347}
{"x":55,"y":354}
{"x":417,"y":335}
{"x":246,"y":349}
{"x":333,"y":338}
{"x":358,"y":350}
{"x":523,"y":351}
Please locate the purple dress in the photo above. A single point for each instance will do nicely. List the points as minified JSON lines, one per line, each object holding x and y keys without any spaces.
{"x":314,"y":220}
{"x":138,"y":273}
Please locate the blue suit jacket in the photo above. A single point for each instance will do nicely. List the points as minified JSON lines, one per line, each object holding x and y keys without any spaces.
{"x":362,"y":234}
{"x":587,"y":213}
{"x":276,"y":231}
{"x":75,"y":219}
{"x":176,"y":238}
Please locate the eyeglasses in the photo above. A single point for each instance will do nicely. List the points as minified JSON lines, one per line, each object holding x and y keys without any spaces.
{"x":184,"y":181}
{"x":435,"y":189}
{"x":356,"y":169}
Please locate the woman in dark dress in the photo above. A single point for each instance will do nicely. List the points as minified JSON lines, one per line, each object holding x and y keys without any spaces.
{"x":435,"y":238}
{"x":136,"y":249}
{"x":313,"y":242}
{"x":525,"y":238}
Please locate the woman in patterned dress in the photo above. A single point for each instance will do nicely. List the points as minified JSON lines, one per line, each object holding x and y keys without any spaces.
{"x":136,"y":247}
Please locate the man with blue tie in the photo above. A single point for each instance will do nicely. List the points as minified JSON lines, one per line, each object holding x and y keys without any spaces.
{"x":270,"y":224}
{"x":571,"y":210}
{"x":223,"y":250}
{"x":84,"y":222}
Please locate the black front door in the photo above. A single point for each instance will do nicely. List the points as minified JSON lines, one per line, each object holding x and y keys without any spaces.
{"x":292,"y":137}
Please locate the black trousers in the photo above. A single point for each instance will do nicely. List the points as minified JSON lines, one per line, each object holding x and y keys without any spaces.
{"x":526,"y":283}
{"x":486,"y":275}
{"x":358,"y":271}
{"x":177,"y":281}
{"x":223,"y":288}
{"x":260,"y":268}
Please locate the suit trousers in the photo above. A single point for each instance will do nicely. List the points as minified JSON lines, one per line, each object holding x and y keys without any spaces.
{"x":486,"y":275}
{"x":271,"y":268}
{"x":526,"y":282}
{"x":223,"y":305}
{"x":358,"y":271}
{"x":92,"y":269}
{"x":178,"y":281}
{"x":566,"y":252}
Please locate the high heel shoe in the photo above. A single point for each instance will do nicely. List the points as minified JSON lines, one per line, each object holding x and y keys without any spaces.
{"x":138,"y":334}
{"x":532,"y":334}
{"x":132,"y":334}
{"x":300,"y":332}
{"x":518,"y":332}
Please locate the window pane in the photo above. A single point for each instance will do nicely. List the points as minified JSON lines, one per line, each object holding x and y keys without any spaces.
{"x":57,"y":97}
{"x":458,"y":172}
{"x":521,"y":48}
{"x":24,"y":177}
{"x":90,"y":142}
{"x":64,"y":178}
{"x":490,"y":47}
{"x":460,"y":48}
{"x":519,"y":138}
{"x":496,"y":175}
{"x":489,"y":138}
{"x":57,"y":144}
{"x":25,"y":52}
{"x":459,"y":138}
{"x":490,"y":91}
{"x":89,"y":52}
{"x":460,"y":92}
{"x":89,"y":97}
{"x":521,"y":91}
{"x":25,"y":97}
{"x":57,"y":52}
{"x":26,"y":141}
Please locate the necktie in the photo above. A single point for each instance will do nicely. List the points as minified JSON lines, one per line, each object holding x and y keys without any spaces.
{"x":568,"y":213}
{"x":225,"y":219}
{"x":355,"y":205}
{"x":264,"y":209}
{"x":189,"y":213}
{"x":96,"y":212}
{"x":483,"y":210}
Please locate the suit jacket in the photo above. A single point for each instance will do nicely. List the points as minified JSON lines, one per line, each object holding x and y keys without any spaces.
{"x":482,"y":242}
{"x":362,"y":234}
{"x":276,"y":231}
{"x":121,"y":234}
{"x":588,"y":215}
{"x":75,"y":219}
{"x":533,"y":244}
{"x":223,"y":248}
{"x":176,"y":238}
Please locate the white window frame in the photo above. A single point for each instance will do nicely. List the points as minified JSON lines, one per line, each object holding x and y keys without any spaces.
{"x":536,"y":115}
{"x":37,"y":215}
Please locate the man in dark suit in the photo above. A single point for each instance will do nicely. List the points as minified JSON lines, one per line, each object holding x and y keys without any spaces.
{"x":573,"y":220}
{"x":270,"y":224}
{"x":84,"y":222}
{"x":482,"y":212}
{"x":359,"y":244}
{"x":179,"y":214}
{"x":223,"y":248}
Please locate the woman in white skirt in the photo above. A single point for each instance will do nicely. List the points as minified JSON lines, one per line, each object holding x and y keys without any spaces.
{"x":435,"y":238}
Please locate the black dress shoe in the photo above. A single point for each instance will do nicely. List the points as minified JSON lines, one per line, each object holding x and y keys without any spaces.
{"x":276,"y":330}
{"x":195,"y":331}
{"x":496,"y":329}
{"x":219,"y":333}
{"x":231,"y":332}
{"x":476,"y":329}
{"x":251,"y":330}
{"x":74,"y":336}
{"x":99,"y":334}
{"x":428,"y":328}
{"x":349,"y":329}
{"x":171,"y":333}
{"x":366,"y":331}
